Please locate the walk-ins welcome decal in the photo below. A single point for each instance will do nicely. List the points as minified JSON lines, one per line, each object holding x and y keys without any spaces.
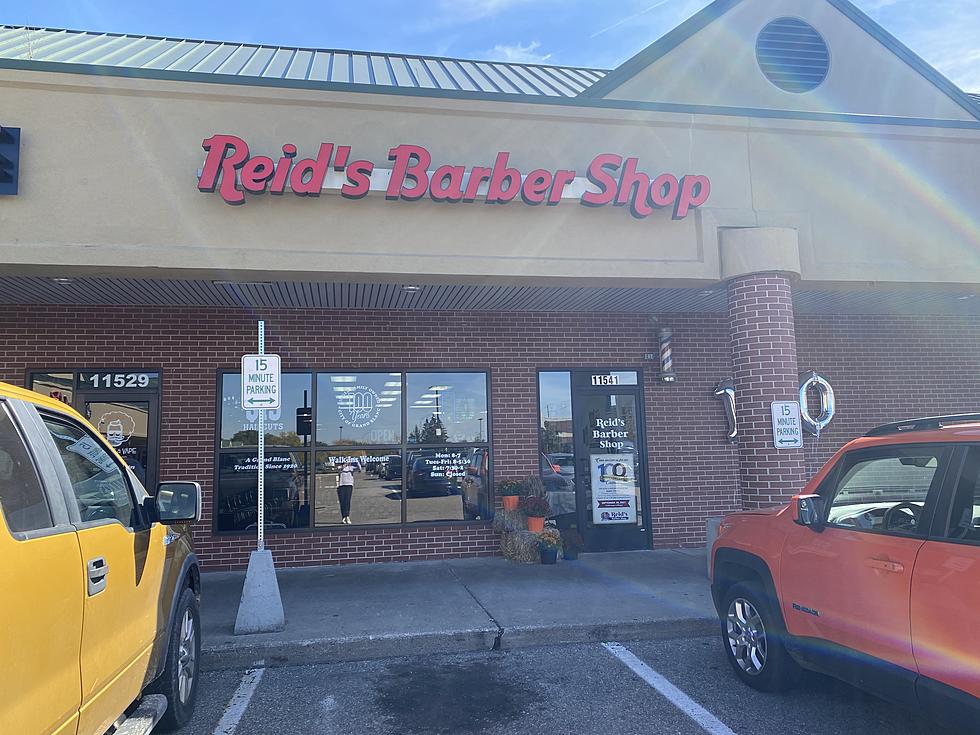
{"x":610,"y":178}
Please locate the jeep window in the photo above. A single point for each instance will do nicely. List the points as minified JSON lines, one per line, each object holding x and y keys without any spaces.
{"x":25,"y":507}
{"x":964,"y":517}
{"x":100,"y":485}
{"x":885,"y":490}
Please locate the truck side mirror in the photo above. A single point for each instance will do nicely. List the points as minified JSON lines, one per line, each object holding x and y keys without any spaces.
{"x":178,"y":502}
{"x":808,"y":511}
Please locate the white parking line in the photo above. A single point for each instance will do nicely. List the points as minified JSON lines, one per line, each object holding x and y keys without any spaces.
{"x":239,"y":702}
{"x":708,"y":722}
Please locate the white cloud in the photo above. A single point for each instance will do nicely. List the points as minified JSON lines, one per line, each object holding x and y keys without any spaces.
{"x":519,"y":53}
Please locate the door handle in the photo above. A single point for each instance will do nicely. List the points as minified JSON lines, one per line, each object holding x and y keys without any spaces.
{"x":886,"y":565}
{"x":98,"y":570}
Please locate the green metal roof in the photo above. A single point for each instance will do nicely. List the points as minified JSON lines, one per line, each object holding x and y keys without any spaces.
{"x":196,"y":58}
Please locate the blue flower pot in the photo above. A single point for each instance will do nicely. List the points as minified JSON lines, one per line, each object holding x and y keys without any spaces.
{"x":549,"y":556}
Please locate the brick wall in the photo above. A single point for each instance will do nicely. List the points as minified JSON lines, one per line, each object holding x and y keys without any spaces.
{"x":764,"y":365}
{"x":692,"y":468}
{"x":888,"y":368}
{"x":883,"y":368}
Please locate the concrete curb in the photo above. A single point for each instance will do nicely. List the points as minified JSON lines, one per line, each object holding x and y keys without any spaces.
{"x":636,"y":630}
{"x":245,"y":653}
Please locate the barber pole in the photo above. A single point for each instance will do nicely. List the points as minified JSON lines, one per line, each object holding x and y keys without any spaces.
{"x":666,"y":357}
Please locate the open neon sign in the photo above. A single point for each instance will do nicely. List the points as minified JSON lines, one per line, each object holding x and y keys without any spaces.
{"x":612,"y":179}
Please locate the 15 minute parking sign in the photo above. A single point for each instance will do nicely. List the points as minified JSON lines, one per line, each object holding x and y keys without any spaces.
{"x":787,"y":428}
{"x":260,"y":382}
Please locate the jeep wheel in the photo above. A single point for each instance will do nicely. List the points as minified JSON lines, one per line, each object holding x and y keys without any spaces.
{"x":753,"y":639}
{"x":178,"y":682}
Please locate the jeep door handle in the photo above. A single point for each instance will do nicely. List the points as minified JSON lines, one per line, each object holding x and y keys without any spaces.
{"x":896,"y":567}
{"x":98,"y":570}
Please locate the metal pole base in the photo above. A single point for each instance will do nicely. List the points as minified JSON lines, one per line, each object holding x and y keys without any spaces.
{"x":260,"y":610}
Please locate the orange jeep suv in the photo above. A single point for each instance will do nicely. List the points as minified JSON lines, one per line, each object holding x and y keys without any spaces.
{"x":872,"y":575}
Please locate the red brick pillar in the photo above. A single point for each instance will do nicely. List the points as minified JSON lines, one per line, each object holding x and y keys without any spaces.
{"x":760,"y":309}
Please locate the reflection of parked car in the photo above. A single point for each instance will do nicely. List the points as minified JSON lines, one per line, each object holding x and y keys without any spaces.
{"x":475,"y":495}
{"x":426,"y":478}
{"x":553,"y":478}
{"x":285,"y":492}
{"x":563,"y":462}
{"x":391,"y":469}
{"x":872,"y":574}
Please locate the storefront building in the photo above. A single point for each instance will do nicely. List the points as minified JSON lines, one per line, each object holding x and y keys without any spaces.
{"x":477,"y":271}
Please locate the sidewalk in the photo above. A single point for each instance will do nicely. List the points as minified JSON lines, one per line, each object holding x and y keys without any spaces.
{"x":343,"y":613}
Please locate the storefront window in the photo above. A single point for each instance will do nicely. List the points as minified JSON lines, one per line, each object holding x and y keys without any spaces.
{"x":283,"y":427}
{"x":358,"y":409}
{"x":363,"y":486}
{"x":363,"y":448}
{"x":287,"y":502}
{"x":447,"y":408}
{"x":447,"y":484}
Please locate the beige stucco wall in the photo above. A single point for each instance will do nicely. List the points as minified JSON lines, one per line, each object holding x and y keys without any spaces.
{"x":718,"y":66}
{"x":108,"y":184}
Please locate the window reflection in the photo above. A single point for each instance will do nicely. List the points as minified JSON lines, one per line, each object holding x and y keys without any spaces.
{"x":283,"y":428}
{"x":446,"y":408}
{"x":374,"y":479}
{"x":447,"y":484}
{"x":359,"y":409}
{"x":369,"y":462}
{"x":557,"y":443}
{"x":286,"y":499}
{"x":59,"y":386}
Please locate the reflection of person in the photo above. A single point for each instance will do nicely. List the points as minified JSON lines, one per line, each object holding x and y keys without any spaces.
{"x":345,"y":489}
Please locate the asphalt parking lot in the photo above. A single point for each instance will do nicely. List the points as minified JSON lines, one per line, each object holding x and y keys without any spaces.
{"x":585,"y":688}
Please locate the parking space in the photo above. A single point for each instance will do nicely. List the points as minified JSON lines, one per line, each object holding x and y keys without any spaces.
{"x":561,"y":689}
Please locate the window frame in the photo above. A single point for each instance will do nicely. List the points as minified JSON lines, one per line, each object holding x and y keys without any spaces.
{"x":153,"y":395}
{"x":934,"y":496}
{"x":139,"y":512}
{"x":403,"y":449}
{"x":644,"y":393}
{"x":944,"y":514}
{"x":44,"y":470}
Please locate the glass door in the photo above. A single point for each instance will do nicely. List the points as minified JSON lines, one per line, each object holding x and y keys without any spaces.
{"x":129,"y":424}
{"x":609,"y":458}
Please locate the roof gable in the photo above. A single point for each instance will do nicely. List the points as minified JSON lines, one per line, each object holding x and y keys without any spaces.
{"x":711,"y":60}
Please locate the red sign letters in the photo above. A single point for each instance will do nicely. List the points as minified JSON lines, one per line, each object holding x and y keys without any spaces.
{"x":233,"y":171}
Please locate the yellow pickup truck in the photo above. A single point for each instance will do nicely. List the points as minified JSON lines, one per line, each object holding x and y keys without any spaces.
{"x":99,"y":621}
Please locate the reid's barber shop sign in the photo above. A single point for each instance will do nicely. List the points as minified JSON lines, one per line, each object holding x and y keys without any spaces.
{"x":610,"y":179}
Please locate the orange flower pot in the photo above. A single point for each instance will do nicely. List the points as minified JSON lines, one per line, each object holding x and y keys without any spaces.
{"x":535,"y":525}
{"x":511,"y":501}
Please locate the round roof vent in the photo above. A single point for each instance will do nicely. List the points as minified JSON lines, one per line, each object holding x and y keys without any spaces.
{"x":792,"y":55}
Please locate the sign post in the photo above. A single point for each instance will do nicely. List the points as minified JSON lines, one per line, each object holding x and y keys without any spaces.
{"x":261,"y":381}
{"x":260,"y":610}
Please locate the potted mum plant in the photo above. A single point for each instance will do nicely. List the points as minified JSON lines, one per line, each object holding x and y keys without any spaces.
{"x":571,"y":543}
{"x":549,"y":542}
{"x":510,"y":492}
{"x":536,"y":509}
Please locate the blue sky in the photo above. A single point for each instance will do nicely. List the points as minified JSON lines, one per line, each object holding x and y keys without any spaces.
{"x":599,"y":33}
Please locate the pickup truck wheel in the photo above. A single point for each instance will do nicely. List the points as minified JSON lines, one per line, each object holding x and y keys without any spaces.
{"x":178,"y":682}
{"x":753,"y":639}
